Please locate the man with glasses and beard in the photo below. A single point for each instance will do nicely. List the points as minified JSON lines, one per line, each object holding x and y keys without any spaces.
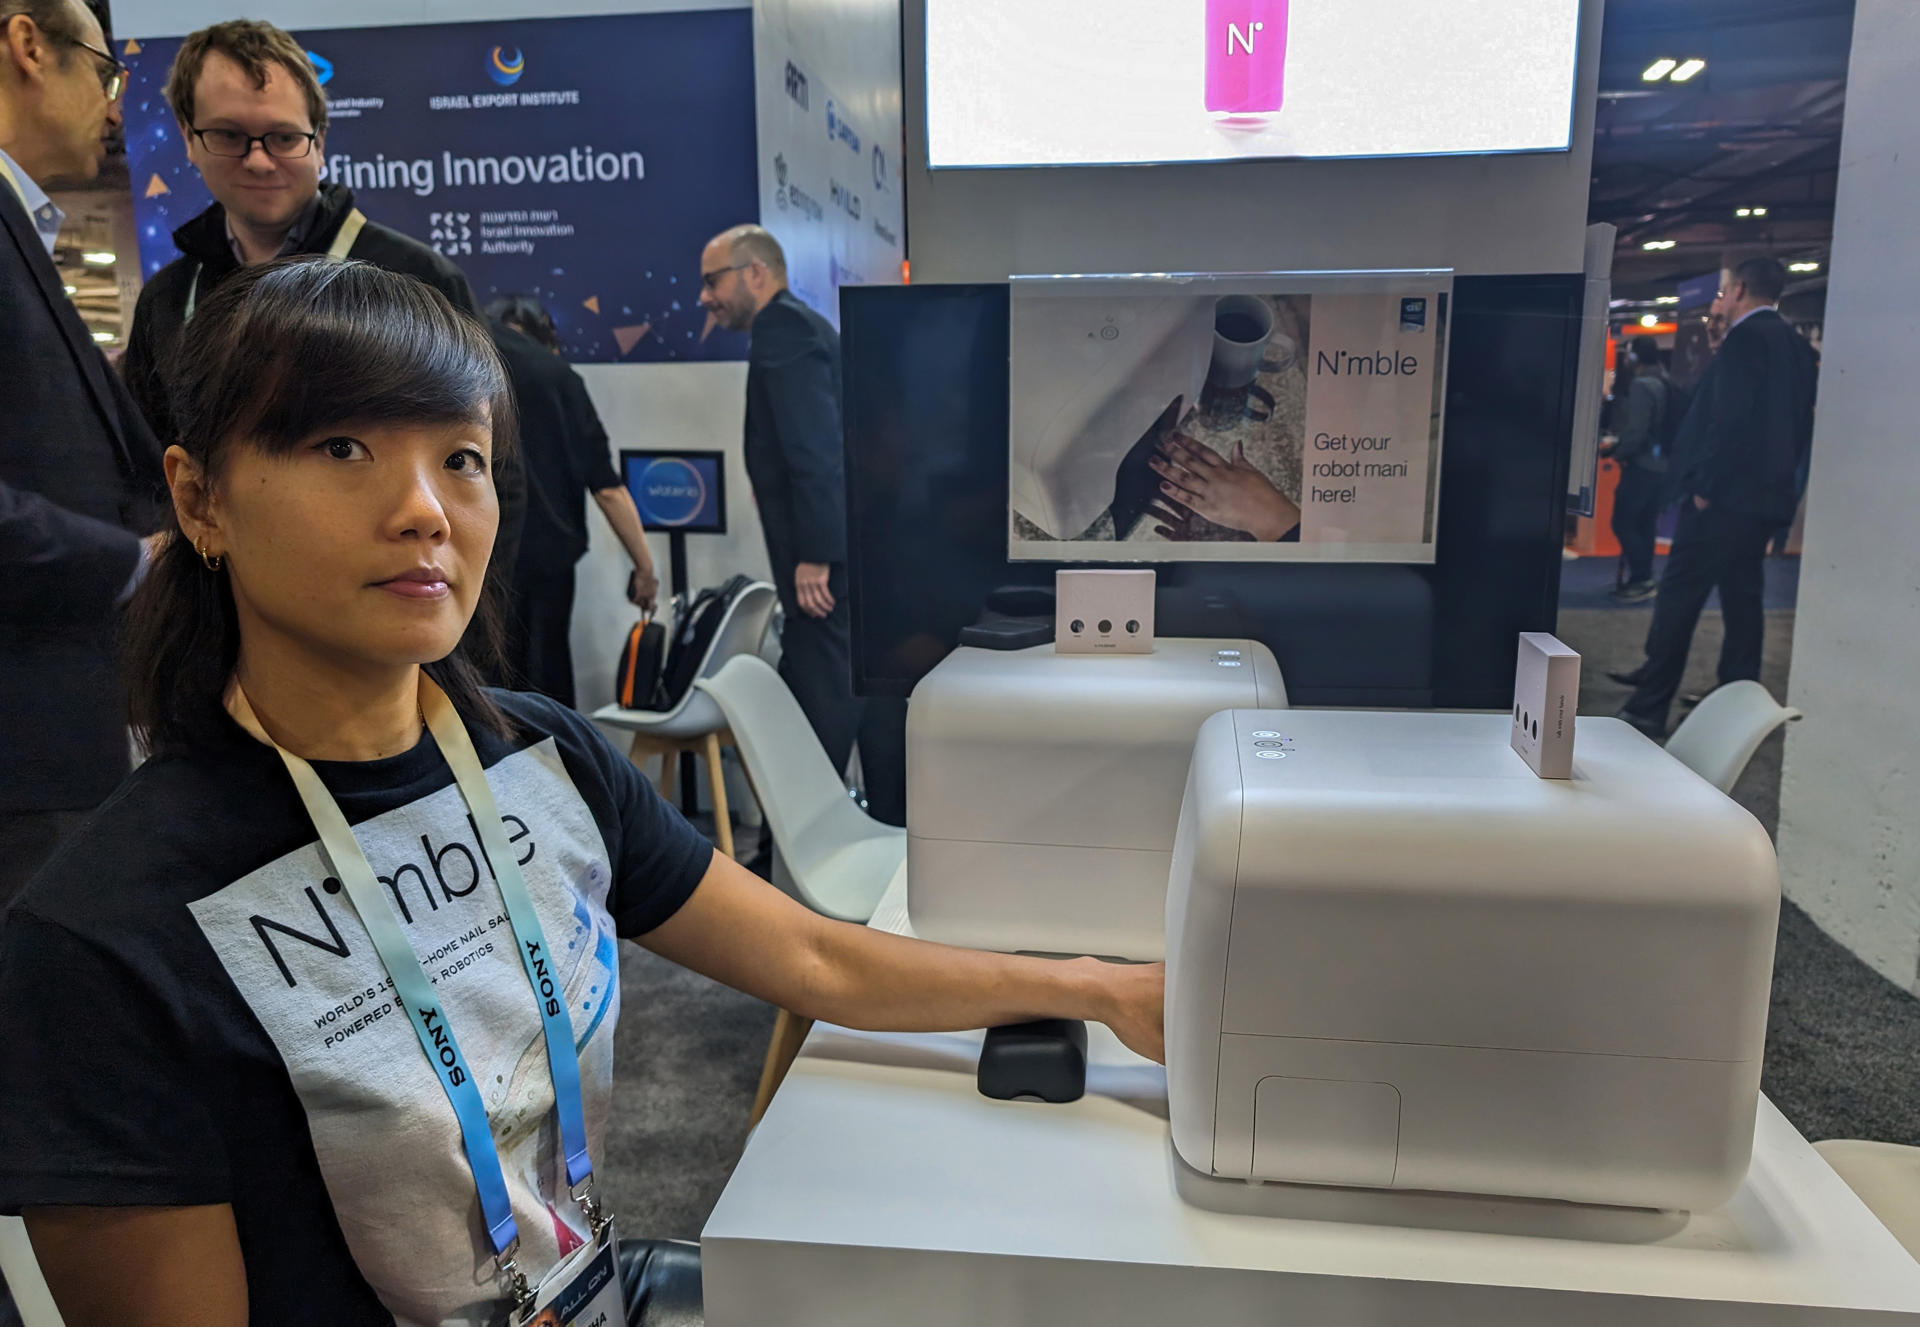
{"x":254,"y":121}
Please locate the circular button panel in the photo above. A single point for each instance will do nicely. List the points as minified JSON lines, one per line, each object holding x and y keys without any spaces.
{"x":1269,"y":744}
{"x":1271,"y":755}
{"x":1265,"y":732}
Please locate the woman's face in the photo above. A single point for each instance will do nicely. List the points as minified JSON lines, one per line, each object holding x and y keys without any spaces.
{"x":367,"y":545}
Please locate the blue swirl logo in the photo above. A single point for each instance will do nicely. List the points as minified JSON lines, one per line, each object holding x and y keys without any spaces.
{"x":506,"y":69}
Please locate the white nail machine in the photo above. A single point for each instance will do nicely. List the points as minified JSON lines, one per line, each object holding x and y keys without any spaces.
{"x":1399,"y":959}
{"x":1043,"y":789}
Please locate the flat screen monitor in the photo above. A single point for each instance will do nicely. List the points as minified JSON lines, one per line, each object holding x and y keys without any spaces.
{"x":680,"y":492}
{"x":925,"y":373}
{"x":1127,"y":82}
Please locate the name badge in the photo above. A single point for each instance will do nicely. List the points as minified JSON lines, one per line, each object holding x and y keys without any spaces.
{"x":583,"y":1290}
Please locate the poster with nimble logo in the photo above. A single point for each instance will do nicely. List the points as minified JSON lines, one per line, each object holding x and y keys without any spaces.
{"x":1268,"y":417}
{"x":582,"y":160}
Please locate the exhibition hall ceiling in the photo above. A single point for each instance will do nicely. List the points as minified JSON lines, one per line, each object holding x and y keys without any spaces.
{"x":1757,"y":128}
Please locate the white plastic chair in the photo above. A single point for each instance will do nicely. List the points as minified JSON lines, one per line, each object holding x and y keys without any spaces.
{"x":695,"y":723}
{"x":30,"y":1294}
{"x":1884,"y":1176}
{"x":840,"y":858}
{"x":1718,"y":739}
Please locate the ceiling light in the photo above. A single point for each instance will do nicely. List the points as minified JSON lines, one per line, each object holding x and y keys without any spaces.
{"x":1759,"y":211}
{"x":1803,"y":267}
{"x":1652,"y":245}
{"x":1743,"y":211}
{"x":1667,"y":299}
{"x":1658,"y":70}
{"x":103,"y":337}
{"x":1688,"y":70}
{"x":98,"y":257}
{"x":1649,"y":320}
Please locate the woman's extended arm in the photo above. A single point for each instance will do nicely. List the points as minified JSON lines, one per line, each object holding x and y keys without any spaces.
{"x":142,"y":1266}
{"x":740,"y":930}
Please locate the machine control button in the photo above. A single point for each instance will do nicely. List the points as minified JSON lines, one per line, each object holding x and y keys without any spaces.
{"x":1275,"y":745}
{"x":1227,"y":654}
{"x":1076,"y":626}
{"x":1265,"y":732}
{"x":1109,"y":333}
{"x":1271,"y":755}
{"x":1228,"y":663}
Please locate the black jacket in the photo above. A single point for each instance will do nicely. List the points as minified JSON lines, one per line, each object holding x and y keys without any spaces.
{"x":79,"y":481}
{"x":794,"y":447}
{"x":1744,"y":443}
{"x":1649,"y":397}
{"x":563,"y":449}
{"x":208,"y":260}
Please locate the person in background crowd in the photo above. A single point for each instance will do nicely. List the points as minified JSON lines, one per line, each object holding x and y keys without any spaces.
{"x":79,"y":472}
{"x":565,"y":454}
{"x":254,"y":121}
{"x":794,"y":453}
{"x":1643,"y":466}
{"x":191,"y":1147}
{"x":1737,"y":468}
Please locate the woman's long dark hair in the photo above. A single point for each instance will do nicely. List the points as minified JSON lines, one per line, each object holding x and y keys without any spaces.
{"x":277,"y":353}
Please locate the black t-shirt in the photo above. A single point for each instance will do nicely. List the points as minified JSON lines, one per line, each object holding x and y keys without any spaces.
{"x":195,"y":1014}
{"x":563,"y":446}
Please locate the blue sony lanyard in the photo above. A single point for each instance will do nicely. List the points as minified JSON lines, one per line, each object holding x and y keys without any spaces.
{"x":410,"y":982}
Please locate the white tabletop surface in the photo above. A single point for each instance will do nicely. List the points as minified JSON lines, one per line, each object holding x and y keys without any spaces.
{"x":881,"y":1187}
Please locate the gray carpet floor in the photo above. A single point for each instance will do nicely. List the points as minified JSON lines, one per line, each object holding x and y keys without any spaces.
{"x":1843,"y":1044}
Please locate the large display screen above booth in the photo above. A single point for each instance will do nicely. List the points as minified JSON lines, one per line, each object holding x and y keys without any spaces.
{"x":1127,"y":82}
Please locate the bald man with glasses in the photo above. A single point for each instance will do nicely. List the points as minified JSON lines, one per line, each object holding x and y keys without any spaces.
{"x":794,"y":455}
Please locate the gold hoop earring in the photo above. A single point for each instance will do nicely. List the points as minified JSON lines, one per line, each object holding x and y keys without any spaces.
{"x":215,"y":562}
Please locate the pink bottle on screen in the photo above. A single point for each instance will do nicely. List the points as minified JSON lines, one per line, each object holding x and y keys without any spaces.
{"x":1246,"y":56}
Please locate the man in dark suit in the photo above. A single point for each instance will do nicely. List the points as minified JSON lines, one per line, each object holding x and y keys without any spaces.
{"x":794,"y":452}
{"x":80,"y":476}
{"x":1737,"y":469}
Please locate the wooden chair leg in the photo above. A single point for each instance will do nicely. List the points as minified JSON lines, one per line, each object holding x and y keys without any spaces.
{"x":669,"y":771}
{"x":716,"y":779}
{"x":789,"y":1030}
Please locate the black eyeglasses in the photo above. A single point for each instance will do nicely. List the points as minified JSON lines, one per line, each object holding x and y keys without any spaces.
{"x":113,"y":74}
{"x":283,"y":143}
{"x":711,"y":280}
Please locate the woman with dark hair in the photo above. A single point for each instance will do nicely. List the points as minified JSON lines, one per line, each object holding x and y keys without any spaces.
{"x":312,"y":1021}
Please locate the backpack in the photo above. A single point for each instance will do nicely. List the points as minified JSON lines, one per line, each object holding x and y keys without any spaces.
{"x":693,"y":631}
{"x":1674,"y":402}
{"x":641,"y":659}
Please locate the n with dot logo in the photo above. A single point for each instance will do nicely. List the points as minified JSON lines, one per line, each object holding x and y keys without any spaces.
{"x":1246,"y":56}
